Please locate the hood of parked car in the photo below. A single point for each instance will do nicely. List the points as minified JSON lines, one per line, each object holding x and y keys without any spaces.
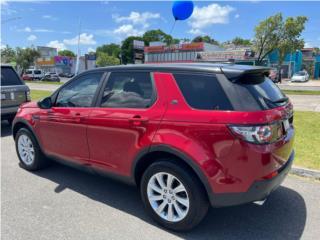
{"x":298,"y":77}
{"x":32,"y":104}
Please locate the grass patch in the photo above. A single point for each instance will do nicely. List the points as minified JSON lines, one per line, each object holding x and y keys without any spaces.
{"x":307,"y":139}
{"x":39,"y":94}
{"x":44,"y":82}
{"x":301,"y":92}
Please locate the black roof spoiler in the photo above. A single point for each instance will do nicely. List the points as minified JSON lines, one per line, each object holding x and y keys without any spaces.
{"x":239,"y":75}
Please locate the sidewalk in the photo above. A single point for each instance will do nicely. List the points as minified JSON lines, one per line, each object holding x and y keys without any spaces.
{"x":312,"y":85}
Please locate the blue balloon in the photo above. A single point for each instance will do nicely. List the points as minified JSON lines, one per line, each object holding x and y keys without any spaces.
{"x":182,"y":10}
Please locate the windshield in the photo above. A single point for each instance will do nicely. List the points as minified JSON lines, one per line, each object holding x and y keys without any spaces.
{"x":299,"y":74}
{"x":9,"y":77}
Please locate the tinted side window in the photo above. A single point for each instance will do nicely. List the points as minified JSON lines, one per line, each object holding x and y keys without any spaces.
{"x":79,"y":93}
{"x":128,"y":90}
{"x":9,"y":77}
{"x":202,"y":91}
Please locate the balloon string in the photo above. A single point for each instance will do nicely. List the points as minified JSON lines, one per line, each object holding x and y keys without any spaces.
{"x":172,"y":27}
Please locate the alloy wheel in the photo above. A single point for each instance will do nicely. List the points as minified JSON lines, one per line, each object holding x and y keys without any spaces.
{"x":168,"y":197}
{"x":26,"y":149}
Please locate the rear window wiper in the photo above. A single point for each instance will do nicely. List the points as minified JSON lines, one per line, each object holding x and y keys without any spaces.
{"x":274,"y":103}
{"x":280,"y":100}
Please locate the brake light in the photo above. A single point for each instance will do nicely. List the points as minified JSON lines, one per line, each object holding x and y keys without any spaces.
{"x":261,"y":134}
{"x":28,"y":96}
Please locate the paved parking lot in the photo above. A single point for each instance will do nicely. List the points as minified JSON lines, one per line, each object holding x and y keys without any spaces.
{"x":64,"y":203}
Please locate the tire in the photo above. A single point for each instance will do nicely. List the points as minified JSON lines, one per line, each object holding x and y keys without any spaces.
{"x":28,"y":141}
{"x":191,"y":214}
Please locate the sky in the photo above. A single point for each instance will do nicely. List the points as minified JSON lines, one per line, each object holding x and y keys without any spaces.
{"x":56,"y":23}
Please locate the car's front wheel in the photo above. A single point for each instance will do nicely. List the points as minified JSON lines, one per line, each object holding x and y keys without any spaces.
{"x":173,"y":196}
{"x":29,"y":152}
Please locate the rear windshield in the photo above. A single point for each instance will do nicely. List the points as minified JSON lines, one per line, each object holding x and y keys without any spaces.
{"x":9,"y":77}
{"x":266,"y":93}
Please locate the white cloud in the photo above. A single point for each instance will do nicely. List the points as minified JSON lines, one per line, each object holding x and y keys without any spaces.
{"x":85,"y":39}
{"x":195,"y":31}
{"x":27,"y":29}
{"x":56,"y":44}
{"x":127,"y":30}
{"x":43,"y":30}
{"x":136,"y":18}
{"x":2,"y":45}
{"x":203,"y":17}
{"x":3,"y":2}
{"x":237,"y":15}
{"x":90,"y":49}
{"x":32,"y":38}
{"x":49,"y":17}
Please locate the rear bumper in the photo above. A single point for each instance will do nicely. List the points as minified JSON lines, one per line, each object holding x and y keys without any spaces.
{"x":259,"y":190}
{"x":9,"y":111}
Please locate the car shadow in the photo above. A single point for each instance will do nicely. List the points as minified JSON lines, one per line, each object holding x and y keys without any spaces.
{"x":283,"y":216}
{"x":5,"y":128}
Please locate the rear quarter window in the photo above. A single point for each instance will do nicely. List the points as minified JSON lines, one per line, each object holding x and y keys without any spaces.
{"x":9,"y":77}
{"x":202,"y":91}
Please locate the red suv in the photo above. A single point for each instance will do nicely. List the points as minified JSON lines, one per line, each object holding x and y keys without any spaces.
{"x":189,"y":135}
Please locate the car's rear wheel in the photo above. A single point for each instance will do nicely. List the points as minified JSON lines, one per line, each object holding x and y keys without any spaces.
{"x":173,"y":196}
{"x":29,"y":152}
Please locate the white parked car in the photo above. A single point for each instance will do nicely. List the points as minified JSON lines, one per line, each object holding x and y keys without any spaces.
{"x":34,"y":73}
{"x":301,"y":76}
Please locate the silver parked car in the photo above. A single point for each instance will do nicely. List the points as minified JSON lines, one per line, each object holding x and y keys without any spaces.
{"x":13,"y":92}
{"x":301,"y":76}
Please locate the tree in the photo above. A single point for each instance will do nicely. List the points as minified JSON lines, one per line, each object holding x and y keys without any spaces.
{"x":104,"y":59}
{"x":127,"y":49}
{"x":206,"y":39}
{"x":238,"y":41}
{"x":276,"y":34}
{"x":26,"y":57}
{"x":8,"y":54}
{"x":66,"y":53}
{"x":267,"y":36}
{"x":289,"y":37}
{"x":110,"y":49}
{"x":158,"y":36}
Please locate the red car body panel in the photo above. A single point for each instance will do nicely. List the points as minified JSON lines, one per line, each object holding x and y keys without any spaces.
{"x":110,"y":139}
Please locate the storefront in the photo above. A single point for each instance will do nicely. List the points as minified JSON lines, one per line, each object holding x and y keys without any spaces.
{"x":46,"y":60}
{"x":186,"y":52}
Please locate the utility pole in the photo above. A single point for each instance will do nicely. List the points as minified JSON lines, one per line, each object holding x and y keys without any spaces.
{"x":78,"y":54}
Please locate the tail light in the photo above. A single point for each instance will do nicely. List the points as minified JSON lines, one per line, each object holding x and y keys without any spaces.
{"x":261,"y":134}
{"x":28,"y":96}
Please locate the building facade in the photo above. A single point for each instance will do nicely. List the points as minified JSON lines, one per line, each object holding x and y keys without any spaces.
{"x":185,"y":52}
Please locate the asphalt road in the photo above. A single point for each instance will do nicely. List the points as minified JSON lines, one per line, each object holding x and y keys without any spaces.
{"x":64,"y":203}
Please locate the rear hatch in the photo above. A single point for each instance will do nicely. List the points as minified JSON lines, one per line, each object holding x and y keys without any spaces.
{"x":13,"y":90}
{"x":253,"y":92}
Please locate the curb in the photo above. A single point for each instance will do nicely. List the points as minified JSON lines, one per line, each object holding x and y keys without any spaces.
{"x":304,"y":172}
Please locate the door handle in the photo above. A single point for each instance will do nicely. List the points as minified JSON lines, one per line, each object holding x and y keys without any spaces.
{"x":138,"y":120}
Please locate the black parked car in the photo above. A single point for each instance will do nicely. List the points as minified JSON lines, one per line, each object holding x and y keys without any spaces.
{"x":13,"y":92}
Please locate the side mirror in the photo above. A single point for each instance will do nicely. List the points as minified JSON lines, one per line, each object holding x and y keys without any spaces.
{"x":45,"y":103}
